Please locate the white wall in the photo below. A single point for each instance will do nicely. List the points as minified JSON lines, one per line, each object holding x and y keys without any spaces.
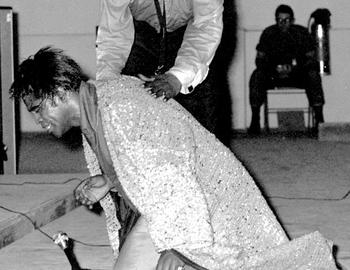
{"x":70,"y":25}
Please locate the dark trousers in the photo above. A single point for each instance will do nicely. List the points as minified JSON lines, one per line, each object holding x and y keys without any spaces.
{"x":260,"y":81}
{"x":144,"y":59}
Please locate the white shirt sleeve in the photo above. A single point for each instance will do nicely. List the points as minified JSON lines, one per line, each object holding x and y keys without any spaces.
{"x":114,"y":38}
{"x":201,"y":39}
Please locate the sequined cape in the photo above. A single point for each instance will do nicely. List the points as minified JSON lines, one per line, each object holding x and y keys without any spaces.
{"x":196,"y":197}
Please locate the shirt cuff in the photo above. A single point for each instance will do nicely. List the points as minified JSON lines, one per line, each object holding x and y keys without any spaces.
{"x":188,"y":78}
{"x":186,"y":88}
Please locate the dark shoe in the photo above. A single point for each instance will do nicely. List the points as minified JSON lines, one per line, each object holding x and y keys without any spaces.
{"x":318,"y":112}
{"x":314,"y":132}
{"x":254,"y":129}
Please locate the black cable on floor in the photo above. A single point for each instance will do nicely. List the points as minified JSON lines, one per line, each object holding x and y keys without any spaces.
{"x":46,"y":234}
{"x":40,"y":183}
{"x":310,"y":199}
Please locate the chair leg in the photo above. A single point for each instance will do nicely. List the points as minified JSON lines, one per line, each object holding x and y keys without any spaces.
{"x":266,"y":116}
{"x":311,"y":119}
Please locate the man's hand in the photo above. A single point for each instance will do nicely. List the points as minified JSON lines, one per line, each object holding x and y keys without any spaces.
{"x":168,"y":261}
{"x":283,"y":71}
{"x":91,"y":190}
{"x":164,"y":85}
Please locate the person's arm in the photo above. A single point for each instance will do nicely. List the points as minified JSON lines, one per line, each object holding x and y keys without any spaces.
{"x":106,"y":202}
{"x":309,"y":47}
{"x":262,"y":60}
{"x":311,"y":60}
{"x":201,"y":39}
{"x":114,"y":38}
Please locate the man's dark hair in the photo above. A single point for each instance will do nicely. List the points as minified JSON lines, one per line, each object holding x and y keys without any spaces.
{"x":284,"y":9}
{"x":46,"y":71}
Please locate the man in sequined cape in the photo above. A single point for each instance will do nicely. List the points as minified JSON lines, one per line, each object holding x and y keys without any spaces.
{"x":194,"y":195}
{"x":199,"y":207}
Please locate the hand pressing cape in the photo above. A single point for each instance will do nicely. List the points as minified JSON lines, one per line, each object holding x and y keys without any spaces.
{"x":165,"y":85}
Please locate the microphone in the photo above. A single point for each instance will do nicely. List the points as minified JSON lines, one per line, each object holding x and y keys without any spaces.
{"x":67,"y":245}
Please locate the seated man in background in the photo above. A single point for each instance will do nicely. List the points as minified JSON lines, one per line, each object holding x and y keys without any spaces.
{"x":286,"y":56}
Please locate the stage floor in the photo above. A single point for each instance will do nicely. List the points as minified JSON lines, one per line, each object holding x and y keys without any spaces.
{"x":305,"y":181}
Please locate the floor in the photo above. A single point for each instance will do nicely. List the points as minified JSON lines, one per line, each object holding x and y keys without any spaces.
{"x":305,"y":180}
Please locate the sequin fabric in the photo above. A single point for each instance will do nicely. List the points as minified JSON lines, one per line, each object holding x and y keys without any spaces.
{"x":106,"y":203}
{"x":194,"y":194}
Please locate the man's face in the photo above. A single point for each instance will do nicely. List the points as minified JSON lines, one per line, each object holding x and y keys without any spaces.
{"x":284,"y":21}
{"x":52,"y":115}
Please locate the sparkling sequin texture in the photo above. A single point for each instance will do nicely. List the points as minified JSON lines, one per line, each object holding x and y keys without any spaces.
{"x":107,"y":202}
{"x":194,"y":194}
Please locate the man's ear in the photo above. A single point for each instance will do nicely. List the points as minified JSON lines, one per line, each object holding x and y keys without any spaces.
{"x":60,"y":97}
{"x":61,"y":92}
